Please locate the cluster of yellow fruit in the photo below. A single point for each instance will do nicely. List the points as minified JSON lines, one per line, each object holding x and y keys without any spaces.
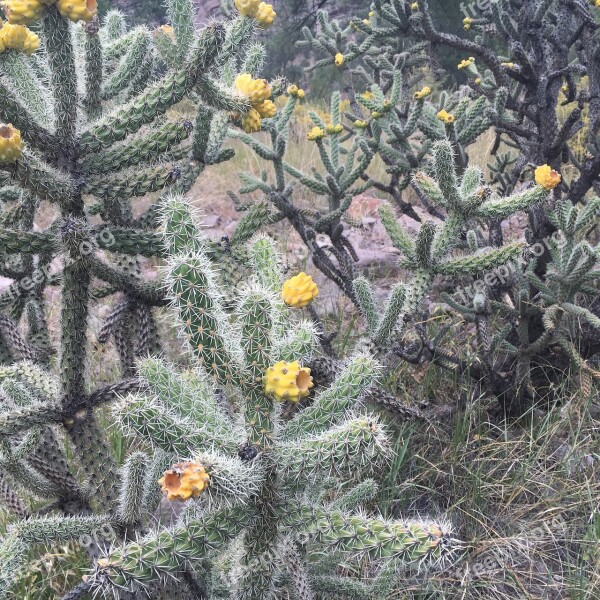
{"x":467,"y":62}
{"x":316,"y":133}
{"x":296,"y":92}
{"x":261,"y":12}
{"x":184,"y":480}
{"x":17,"y":37}
{"x":24,"y":12}
{"x":467,"y":22}
{"x":445,"y":116}
{"x":288,"y":381}
{"x":258,"y":91}
{"x":422,"y":94}
{"x":547,"y":177}
{"x":11,"y":145}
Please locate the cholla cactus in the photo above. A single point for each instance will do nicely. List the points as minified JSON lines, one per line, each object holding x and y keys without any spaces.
{"x":86,"y":126}
{"x":259,"y":468}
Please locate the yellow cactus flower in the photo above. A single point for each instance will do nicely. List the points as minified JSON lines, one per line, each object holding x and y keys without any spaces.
{"x":445,"y":116}
{"x":11,"y":145}
{"x":251,"y":121}
{"x":547,"y":177}
{"x":464,"y":64}
{"x":22,"y":12}
{"x":287,"y":381}
{"x":414,"y":6}
{"x":77,"y":10}
{"x":368,"y":95}
{"x":339,"y":59}
{"x":360,"y":124}
{"x":421,"y":95}
{"x":467,"y":22}
{"x":316,"y":133}
{"x":334,"y":129}
{"x":257,"y":90}
{"x":266,"y":109}
{"x":299,"y":291}
{"x":247,"y":8}
{"x":184,"y":480}
{"x":265,"y":15}
{"x":295,"y":91}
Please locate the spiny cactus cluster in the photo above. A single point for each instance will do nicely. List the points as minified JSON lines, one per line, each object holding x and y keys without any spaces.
{"x":258,"y":478}
{"x":421,"y":134}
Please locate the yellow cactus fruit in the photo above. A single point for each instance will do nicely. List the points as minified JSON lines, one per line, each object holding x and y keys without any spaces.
{"x":478,"y":81}
{"x":265,"y":15}
{"x":422,"y":94}
{"x":376,"y":115}
{"x":77,"y":10}
{"x":295,"y":91}
{"x":184,"y":480}
{"x":11,"y":145}
{"x":446,"y":117}
{"x":334,"y":129}
{"x":251,"y":121}
{"x":547,"y":177}
{"x":316,"y":133}
{"x":299,"y":291}
{"x":167,"y":30}
{"x":467,"y":62}
{"x":467,"y":22}
{"x":22,"y":12}
{"x":257,"y":90}
{"x":339,"y":59}
{"x":414,"y":6}
{"x":266,"y":109}
{"x":31,"y":43}
{"x":287,"y":381}
{"x":360,"y":124}
{"x":247,"y":8}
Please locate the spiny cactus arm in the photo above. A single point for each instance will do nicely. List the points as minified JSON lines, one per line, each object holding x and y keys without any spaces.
{"x":333,"y":403}
{"x":130,"y":65}
{"x":359,"y":494}
{"x":485,"y":261}
{"x":397,"y":233}
{"x":41,"y":179}
{"x":132,"y":242}
{"x":150,"y":293}
{"x":24,"y":418}
{"x":299,"y":344}
{"x":163,"y":428}
{"x":134,"y":183}
{"x":13,"y":111}
{"x":267,"y":263}
{"x":131,"y":495}
{"x":192,"y":397}
{"x":295,"y":566}
{"x":94,"y":70}
{"x":181,"y":15}
{"x":363,"y":536}
{"x":358,"y":443}
{"x":58,"y":529}
{"x":366,"y":302}
{"x":256,"y":217}
{"x":139,"y":150}
{"x":63,"y":78}
{"x":17,"y":70}
{"x":501,"y":208}
{"x":178,"y":226}
{"x":13,"y":559}
{"x":391,"y":315}
{"x":26,"y":242}
{"x":165,"y":552}
{"x":11,"y":500}
{"x":197,"y":300}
